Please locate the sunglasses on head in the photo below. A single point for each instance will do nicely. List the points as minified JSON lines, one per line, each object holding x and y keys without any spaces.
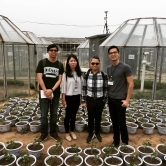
{"x":53,"y":50}
{"x":93,"y":63}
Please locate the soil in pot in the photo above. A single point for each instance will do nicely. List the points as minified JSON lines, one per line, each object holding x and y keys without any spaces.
{"x":126,"y":150}
{"x":53,"y":160}
{"x":94,"y":160}
{"x":133,"y":160}
{"x":3,"y":161}
{"x":71,"y":150}
{"x":161,"y":148}
{"x":151,"y":160}
{"x":92,"y":152}
{"x":35,"y":147}
{"x":55,"y":150}
{"x":23,"y":163}
{"x":73,"y":161}
{"x":15,"y":146}
{"x":145,"y":150}
{"x":113,"y":161}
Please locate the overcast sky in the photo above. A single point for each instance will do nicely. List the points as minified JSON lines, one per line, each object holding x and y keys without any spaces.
{"x":80,"y":18}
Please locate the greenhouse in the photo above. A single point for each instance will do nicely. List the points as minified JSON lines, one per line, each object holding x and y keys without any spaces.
{"x":142,"y":42}
{"x":19,"y":55}
{"x":83,"y":52}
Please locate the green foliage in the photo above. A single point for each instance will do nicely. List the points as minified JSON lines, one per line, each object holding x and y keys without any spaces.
{"x":36,"y":141}
{"x":93,"y":145}
{"x":76,"y":156}
{"x":137,"y":84}
{"x":142,"y":95}
{"x":74,"y":148}
{"x":32,"y":86}
{"x":13,"y":82}
{"x":149,"y":85}
{"x":109,"y":150}
{"x":8,"y":156}
{"x":96,"y":159}
{"x":2,"y":121}
{"x":10,"y":144}
{"x":18,"y":94}
{"x":146,"y":143}
{"x":161,"y":94}
{"x":25,"y":158}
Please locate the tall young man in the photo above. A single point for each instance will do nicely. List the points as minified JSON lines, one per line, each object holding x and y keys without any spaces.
{"x":120,"y":90}
{"x":94,"y":97}
{"x":49,"y":74}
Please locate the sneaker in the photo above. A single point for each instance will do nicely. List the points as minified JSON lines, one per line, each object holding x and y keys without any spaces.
{"x":99,"y":138}
{"x":41,"y":138}
{"x":89,"y":138}
{"x":55,"y":137}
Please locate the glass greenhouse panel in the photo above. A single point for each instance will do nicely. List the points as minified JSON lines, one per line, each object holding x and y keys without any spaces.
{"x":16,"y":59}
{"x":1,"y":75}
{"x":9,"y":34}
{"x":83,"y":56}
{"x":150,"y":38}
{"x":9,"y":62}
{"x":163,"y":34}
{"x":120,"y":38}
{"x":136,"y":37}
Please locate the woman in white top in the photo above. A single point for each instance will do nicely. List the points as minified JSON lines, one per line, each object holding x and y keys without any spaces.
{"x":71,"y":94}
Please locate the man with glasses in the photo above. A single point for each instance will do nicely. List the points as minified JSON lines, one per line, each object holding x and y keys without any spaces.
{"x":49,"y":74}
{"x":120,"y":89}
{"x":94,"y":97}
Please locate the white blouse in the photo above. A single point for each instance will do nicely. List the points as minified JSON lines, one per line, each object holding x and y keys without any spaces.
{"x":68,"y":87}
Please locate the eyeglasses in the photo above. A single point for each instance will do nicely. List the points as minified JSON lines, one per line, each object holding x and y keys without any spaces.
{"x":53,"y":50}
{"x":94,"y":63}
{"x":111,"y":53}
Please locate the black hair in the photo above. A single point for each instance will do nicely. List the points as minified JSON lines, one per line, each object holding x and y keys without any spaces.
{"x":77,"y":68}
{"x":52,"y":46}
{"x":95,"y":57}
{"x":112,"y":48}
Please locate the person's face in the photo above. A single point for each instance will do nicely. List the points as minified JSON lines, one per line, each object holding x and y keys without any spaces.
{"x":53,"y":52}
{"x":95,"y":64}
{"x":114,"y":54}
{"x":72,"y":63}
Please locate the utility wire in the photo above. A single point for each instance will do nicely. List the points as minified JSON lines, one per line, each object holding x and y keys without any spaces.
{"x":83,"y":26}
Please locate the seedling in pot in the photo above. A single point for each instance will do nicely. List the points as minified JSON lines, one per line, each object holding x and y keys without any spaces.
{"x":96,"y":159}
{"x":76,"y":156}
{"x":25,"y":158}
{"x":146,"y":143}
{"x":10,"y":144}
{"x":74,"y":148}
{"x":93,"y":145}
{"x":8,"y":156}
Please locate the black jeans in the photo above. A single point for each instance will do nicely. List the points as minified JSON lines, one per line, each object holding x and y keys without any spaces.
{"x":95,"y":108}
{"x":118,"y":117}
{"x":45,"y":106}
{"x":73,"y":103}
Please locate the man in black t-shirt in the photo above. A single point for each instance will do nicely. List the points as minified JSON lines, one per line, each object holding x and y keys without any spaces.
{"x":49,"y":74}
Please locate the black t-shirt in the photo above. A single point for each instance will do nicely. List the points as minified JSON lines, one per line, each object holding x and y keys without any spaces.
{"x":50,"y":72}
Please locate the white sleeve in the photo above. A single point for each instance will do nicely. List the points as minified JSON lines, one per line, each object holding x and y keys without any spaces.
{"x":63,"y":83}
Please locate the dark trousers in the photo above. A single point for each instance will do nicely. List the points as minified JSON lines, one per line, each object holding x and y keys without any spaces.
{"x":73,"y":103}
{"x":118,"y":117}
{"x":95,"y":108}
{"x":45,"y":106}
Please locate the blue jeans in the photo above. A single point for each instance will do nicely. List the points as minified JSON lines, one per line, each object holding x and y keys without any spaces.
{"x":45,"y":106}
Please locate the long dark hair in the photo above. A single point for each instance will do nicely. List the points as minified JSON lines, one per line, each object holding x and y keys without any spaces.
{"x":77,"y":68}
